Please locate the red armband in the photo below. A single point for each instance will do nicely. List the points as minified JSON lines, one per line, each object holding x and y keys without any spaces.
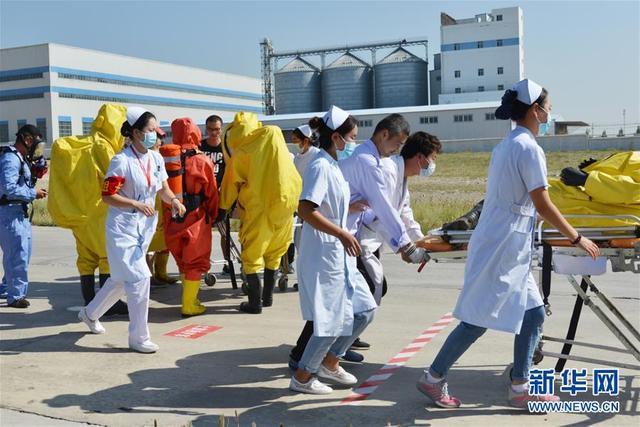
{"x":112,"y":185}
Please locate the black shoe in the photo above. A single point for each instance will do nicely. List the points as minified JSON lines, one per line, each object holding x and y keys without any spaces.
{"x":225,"y":269}
{"x":360,"y":345}
{"x":253,"y":306}
{"x":88,"y":287}
{"x":20,"y":303}
{"x":269,"y":284}
{"x":119,"y":307}
{"x":467,"y":221}
{"x":352,"y":356}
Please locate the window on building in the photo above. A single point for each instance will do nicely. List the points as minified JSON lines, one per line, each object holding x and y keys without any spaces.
{"x":86,"y":125}
{"x":499,"y":42}
{"x":41,"y":124}
{"x":480,"y":45}
{"x":500,"y":87}
{"x":365,"y":123}
{"x":500,"y":70}
{"x":156,"y":85}
{"x":456,"y":46}
{"x":467,"y":118}
{"x":480,"y":88}
{"x":4,"y":131}
{"x":21,"y":123}
{"x":428,"y":120}
{"x":498,"y":17}
{"x":21,"y":77}
{"x":64,"y":127}
{"x":458,"y":90}
{"x":457,"y":118}
{"x":489,"y":116}
{"x":481,"y":71}
{"x":456,"y":74}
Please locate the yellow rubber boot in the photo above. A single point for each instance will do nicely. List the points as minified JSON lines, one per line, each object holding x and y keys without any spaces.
{"x":190,"y":304}
{"x":160,"y":261}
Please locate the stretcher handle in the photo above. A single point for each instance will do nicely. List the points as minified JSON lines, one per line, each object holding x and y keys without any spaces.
{"x":631,"y":217}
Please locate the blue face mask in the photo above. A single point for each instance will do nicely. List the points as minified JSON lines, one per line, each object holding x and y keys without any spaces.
{"x":150,"y":139}
{"x":347,"y":151}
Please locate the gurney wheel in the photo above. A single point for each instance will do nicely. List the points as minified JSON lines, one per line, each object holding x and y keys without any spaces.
{"x":283,"y":283}
{"x":210,"y":279}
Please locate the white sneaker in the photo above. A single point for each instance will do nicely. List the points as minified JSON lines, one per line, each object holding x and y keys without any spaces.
{"x":339,"y":376}
{"x":94,"y":325}
{"x":313,"y":386}
{"x":145,"y":347}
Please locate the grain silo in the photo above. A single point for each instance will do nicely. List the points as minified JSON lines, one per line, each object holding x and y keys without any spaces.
{"x":401,"y":80}
{"x":297,"y":88}
{"x":346,"y":82}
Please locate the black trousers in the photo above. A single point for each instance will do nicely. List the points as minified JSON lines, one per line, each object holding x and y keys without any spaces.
{"x":307,"y":330}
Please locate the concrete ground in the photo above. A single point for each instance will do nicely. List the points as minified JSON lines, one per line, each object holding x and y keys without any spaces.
{"x":55,"y":373}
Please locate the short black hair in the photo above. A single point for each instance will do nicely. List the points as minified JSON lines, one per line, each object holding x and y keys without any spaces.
{"x":29,"y":130}
{"x":396,"y":124}
{"x":420,"y":142}
{"x":213,"y":118}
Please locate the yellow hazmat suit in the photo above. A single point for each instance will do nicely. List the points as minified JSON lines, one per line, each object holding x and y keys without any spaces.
{"x":262,"y":178}
{"x":78,"y":166}
{"x":612,"y":188}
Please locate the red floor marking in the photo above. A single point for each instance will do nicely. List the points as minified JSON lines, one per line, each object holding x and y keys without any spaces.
{"x":193,"y":331}
{"x":371,"y":384}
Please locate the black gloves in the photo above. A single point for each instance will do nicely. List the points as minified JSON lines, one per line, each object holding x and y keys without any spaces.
{"x":586,"y":163}
{"x":573,"y":177}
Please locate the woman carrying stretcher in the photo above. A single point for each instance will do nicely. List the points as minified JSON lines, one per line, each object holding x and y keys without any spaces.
{"x":499,"y":291}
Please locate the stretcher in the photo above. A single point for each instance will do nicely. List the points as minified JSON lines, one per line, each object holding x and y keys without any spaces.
{"x":620,"y":246}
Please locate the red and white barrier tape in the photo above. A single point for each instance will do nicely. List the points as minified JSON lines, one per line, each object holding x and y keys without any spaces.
{"x":396,"y":362}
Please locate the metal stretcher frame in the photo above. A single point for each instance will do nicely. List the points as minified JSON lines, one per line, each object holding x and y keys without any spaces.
{"x":622,"y":259}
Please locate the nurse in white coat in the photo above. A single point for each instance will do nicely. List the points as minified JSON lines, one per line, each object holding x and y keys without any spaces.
{"x":134,"y":177}
{"x":417,"y":157}
{"x":333,"y":294}
{"x":499,"y":290}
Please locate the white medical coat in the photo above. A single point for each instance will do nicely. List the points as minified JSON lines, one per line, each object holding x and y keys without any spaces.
{"x":397,"y":190}
{"x":331,"y":289}
{"x":364,"y":172}
{"x":129,"y":232}
{"x":301,"y":161}
{"x":498,"y":284}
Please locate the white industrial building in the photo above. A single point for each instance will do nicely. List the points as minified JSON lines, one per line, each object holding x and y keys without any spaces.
{"x":61,"y":88}
{"x":447,"y":122}
{"x":480,"y":57}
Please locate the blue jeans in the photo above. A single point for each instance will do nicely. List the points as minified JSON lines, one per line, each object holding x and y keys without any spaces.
{"x":465,"y":334}
{"x":15,"y":242}
{"x":318,"y":347}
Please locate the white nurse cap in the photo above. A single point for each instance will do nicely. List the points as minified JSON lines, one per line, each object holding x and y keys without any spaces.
{"x":306,"y":130}
{"x":335,"y":117}
{"x":134,"y":113}
{"x":528,"y":91}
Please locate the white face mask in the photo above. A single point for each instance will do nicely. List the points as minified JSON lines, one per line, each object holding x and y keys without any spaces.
{"x":429,"y":170}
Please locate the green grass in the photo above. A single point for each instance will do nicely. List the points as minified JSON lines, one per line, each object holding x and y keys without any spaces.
{"x":458,"y":184}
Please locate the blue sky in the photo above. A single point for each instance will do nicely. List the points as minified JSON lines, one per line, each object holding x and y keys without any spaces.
{"x":587,"y":53}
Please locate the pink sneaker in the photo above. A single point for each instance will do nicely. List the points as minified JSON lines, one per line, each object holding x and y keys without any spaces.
{"x":438,"y":393}
{"x":520,"y":400}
